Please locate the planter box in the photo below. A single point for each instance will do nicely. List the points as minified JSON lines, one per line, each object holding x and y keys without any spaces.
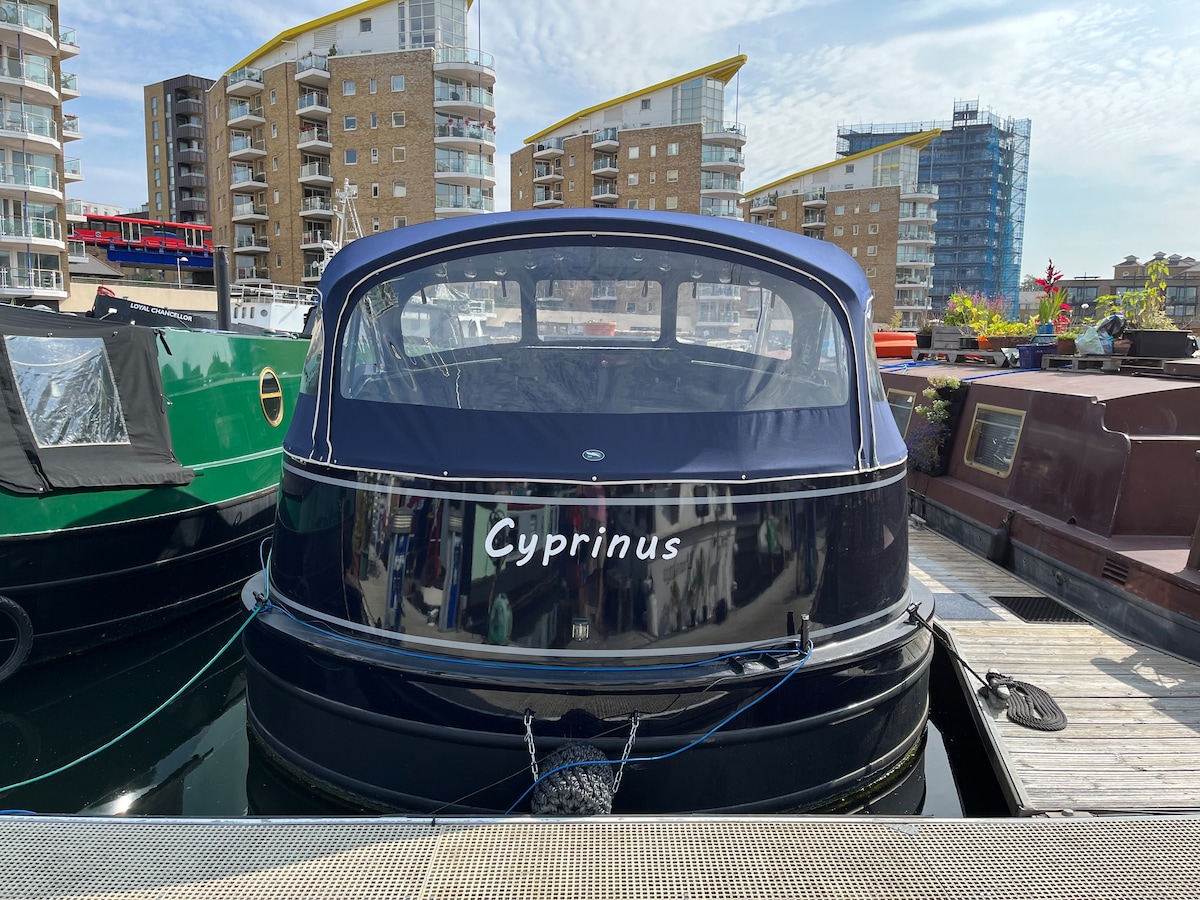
{"x":953,"y":337}
{"x":1158,"y":343}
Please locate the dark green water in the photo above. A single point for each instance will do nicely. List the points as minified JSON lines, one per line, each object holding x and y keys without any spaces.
{"x":195,"y":759}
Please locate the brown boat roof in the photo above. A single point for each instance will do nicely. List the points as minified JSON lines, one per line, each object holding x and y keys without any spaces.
{"x":1060,"y":381}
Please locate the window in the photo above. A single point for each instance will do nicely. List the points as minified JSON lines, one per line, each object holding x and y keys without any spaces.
{"x":277,"y":227}
{"x":397,"y":154}
{"x":634,"y":151}
{"x":158,"y":177}
{"x":571,"y":160}
{"x":397,"y":82}
{"x":631,"y":204}
{"x":374,"y":223}
{"x":570,"y":185}
{"x":901,"y":403}
{"x":374,"y":120}
{"x":652,"y":174}
{"x":349,"y":123}
{"x":364,"y":25}
{"x":870,"y":271}
{"x":873,"y":228}
{"x":375,"y":189}
{"x":654,"y":150}
{"x":158,"y":200}
{"x":274,"y":163}
{"x":872,"y":250}
{"x":157,"y":154}
{"x":276,"y":197}
{"x":839,"y":210}
{"x":278,"y":259}
{"x":992,"y":440}
{"x":399,"y":189}
{"x":399,"y":221}
{"x":351,"y":157}
{"x":646,"y":103}
{"x":349,"y":89}
{"x":672,"y":149}
{"x":854,"y":229}
{"x":274,"y":131}
{"x":154,"y":129}
{"x":672,"y":203}
{"x":397,"y":120}
{"x":854,"y":251}
{"x":374,"y":154}
{"x":374,"y":85}
{"x":154,"y":106}
{"x":672,"y":175}
{"x":849,"y":168}
{"x":633,"y":178}
{"x":650,"y":203}
{"x":874,"y":207}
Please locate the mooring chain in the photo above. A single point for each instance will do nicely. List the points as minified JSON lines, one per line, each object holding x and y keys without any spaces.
{"x":633,"y":727}
{"x":533,"y":766}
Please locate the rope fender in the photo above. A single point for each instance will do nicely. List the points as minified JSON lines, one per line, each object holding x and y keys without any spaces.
{"x":579,"y":790}
{"x":23,"y":640}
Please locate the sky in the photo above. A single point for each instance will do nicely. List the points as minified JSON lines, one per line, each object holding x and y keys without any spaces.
{"x":1113,"y":90}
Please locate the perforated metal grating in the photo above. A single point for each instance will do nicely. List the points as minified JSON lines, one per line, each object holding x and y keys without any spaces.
{"x":1040,"y":609}
{"x":622,"y":859}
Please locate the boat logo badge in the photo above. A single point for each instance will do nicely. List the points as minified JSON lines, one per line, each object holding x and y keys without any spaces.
{"x":593,"y":455}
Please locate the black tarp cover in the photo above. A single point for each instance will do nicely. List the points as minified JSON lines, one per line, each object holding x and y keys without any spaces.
{"x":145,"y":459}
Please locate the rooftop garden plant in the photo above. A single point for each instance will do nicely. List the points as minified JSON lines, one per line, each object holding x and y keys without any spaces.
{"x":1052,"y":302}
{"x":1146,"y":307}
{"x":931,"y":432}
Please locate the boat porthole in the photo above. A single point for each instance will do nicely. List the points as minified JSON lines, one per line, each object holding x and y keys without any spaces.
{"x":270,"y":394}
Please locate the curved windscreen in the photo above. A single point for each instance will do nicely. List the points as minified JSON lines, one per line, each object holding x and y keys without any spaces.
{"x":581,"y":328}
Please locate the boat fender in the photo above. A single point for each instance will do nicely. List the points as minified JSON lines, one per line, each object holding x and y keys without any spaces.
{"x":24,"y":636}
{"x":998,"y":547}
{"x":580,"y":790}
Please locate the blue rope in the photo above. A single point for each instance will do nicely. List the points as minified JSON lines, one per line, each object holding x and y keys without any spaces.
{"x":533,"y":667}
{"x":18,"y":812}
{"x":128,"y":731}
{"x":645,"y":759}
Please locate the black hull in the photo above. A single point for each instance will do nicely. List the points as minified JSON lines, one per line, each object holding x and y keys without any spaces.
{"x":389,"y":736}
{"x":88,"y":585}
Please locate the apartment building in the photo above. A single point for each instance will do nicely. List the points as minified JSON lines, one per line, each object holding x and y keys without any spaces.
{"x":383,"y":99}
{"x":873,"y":206}
{"x":669,"y":146}
{"x":34,"y":171}
{"x":1183,"y":287}
{"x":980,"y":163}
{"x":176,"y":164}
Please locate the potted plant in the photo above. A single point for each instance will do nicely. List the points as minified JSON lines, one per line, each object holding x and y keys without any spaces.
{"x":1053,"y":312}
{"x":931,"y":434}
{"x":1066,"y":342}
{"x":925,"y":334}
{"x":1148,"y":328}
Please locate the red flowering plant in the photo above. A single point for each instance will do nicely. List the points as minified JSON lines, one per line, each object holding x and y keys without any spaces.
{"x":1052,"y":302}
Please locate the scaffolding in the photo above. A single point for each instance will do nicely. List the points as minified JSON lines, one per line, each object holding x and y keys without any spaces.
{"x":980,"y":163}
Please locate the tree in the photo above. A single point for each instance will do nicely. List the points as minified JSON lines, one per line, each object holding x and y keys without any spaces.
{"x":1029,"y":283}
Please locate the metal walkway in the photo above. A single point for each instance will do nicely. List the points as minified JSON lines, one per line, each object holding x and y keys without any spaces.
{"x":596,"y":859}
{"x":1132,"y":743}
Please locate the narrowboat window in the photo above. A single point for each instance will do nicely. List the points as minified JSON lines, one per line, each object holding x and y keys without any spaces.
{"x":67,"y":389}
{"x":614,"y":330}
{"x":992,"y":441}
{"x":901,"y":403}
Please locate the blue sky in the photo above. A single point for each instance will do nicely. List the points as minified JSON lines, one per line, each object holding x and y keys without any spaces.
{"x":1113,"y":90}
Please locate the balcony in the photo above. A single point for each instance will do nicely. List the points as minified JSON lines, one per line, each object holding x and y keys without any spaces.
{"x":604,"y":192}
{"x":722,"y":158}
{"x":733,"y":133}
{"x":74,"y":211}
{"x":244,"y":147}
{"x":606,"y":139}
{"x":32,"y":230}
{"x":70,"y":128}
{"x":189,"y":179}
{"x":719,"y":183}
{"x":546,"y":198}
{"x":251,"y":243}
{"x":460,"y":100}
{"x":316,"y":173}
{"x":248,"y":212}
{"x":189,"y":131}
{"x":244,"y":82}
{"x":314,"y":105}
{"x":469,"y":65}
{"x":35,"y":27}
{"x":312,"y":271}
{"x":314,"y":139}
{"x":462,"y":203}
{"x":253,"y":273}
{"x":464,"y":137}
{"x":313,"y":70}
{"x":467,"y":170}
{"x":548,"y":149}
{"x":189,"y":105}
{"x":917,"y":212}
{"x":31,"y":179}
{"x":193,"y":205}
{"x":28,"y":126}
{"x":907,"y":256}
{"x":815,"y":199}
{"x":314,"y":239}
{"x":604,"y":164}
{"x":68,"y":43}
{"x":814,"y":219}
{"x":245,"y":114}
{"x":919,"y":191}
{"x":72,"y":170}
{"x":907,"y":281}
{"x":246,"y":178}
{"x":33,"y":76}
{"x":190,"y":155}
{"x":547,"y":174}
{"x":764,"y":204}
{"x":69,"y":86}
{"x":32,"y":281}
{"x":316,"y":207}
{"x":915,"y":234}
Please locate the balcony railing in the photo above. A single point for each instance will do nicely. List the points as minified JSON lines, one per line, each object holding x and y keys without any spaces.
{"x":920,"y":188}
{"x":604,"y":189}
{"x":604,"y":135}
{"x":312,"y":62}
{"x":465,"y":56}
{"x":725,"y":155}
{"x":464,"y":201}
{"x":70,"y":125}
{"x":68,"y":38}
{"x":315,"y":237}
{"x":71,"y":166}
{"x":242,"y":75}
{"x":818,"y":194}
{"x":554,"y":145}
{"x":309,"y":170}
{"x":313,"y":99}
{"x":448,"y":93}
{"x":30,"y":176}
{"x":905,"y":257}
{"x":30,"y":123}
{"x":914,"y":233}
{"x":600,"y":163}
{"x":249,"y":209}
{"x":467,"y":166}
{"x":243,"y":176}
{"x":814,"y":218}
{"x":715,"y":181}
{"x":308,"y":204}
{"x":27,"y":17}
{"x":31,"y":279}
{"x":38,"y":73}
{"x":253,"y":273}
{"x":547,"y":196}
{"x":250,"y":240}
{"x":768,"y":200}
{"x":312,"y":269}
{"x":74,"y":208}
{"x":713,"y":126}
{"x":33,"y":228}
{"x":239,"y":110}
{"x":237,"y":144}
{"x":313,"y":134}
{"x":470,"y":132}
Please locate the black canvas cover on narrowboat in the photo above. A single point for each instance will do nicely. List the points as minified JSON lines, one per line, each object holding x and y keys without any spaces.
{"x":82,"y":405}
{"x":120,"y":309}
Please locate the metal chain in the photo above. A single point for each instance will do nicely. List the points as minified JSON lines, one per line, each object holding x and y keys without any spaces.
{"x":533,"y":766}
{"x":633,"y":727}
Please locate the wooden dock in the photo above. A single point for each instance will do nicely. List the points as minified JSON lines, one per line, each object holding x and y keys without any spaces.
{"x":1132,"y":743}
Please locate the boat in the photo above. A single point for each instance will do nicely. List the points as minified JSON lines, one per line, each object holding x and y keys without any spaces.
{"x":682,"y":563}
{"x":138,"y":473}
{"x":895,"y":344}
{"x":1082,"y":479}
{"x":254,"y":308}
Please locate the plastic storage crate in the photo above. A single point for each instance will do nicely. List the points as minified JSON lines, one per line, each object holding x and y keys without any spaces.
{"x":1031,"y":354}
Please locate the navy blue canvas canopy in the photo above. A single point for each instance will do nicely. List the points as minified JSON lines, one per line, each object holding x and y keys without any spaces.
{"x":853,"y":433}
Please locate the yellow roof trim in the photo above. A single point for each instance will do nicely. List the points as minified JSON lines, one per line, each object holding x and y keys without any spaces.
{"x":309,"y":26}
{"x":921,"y":140}
{"x":723,"y":71}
